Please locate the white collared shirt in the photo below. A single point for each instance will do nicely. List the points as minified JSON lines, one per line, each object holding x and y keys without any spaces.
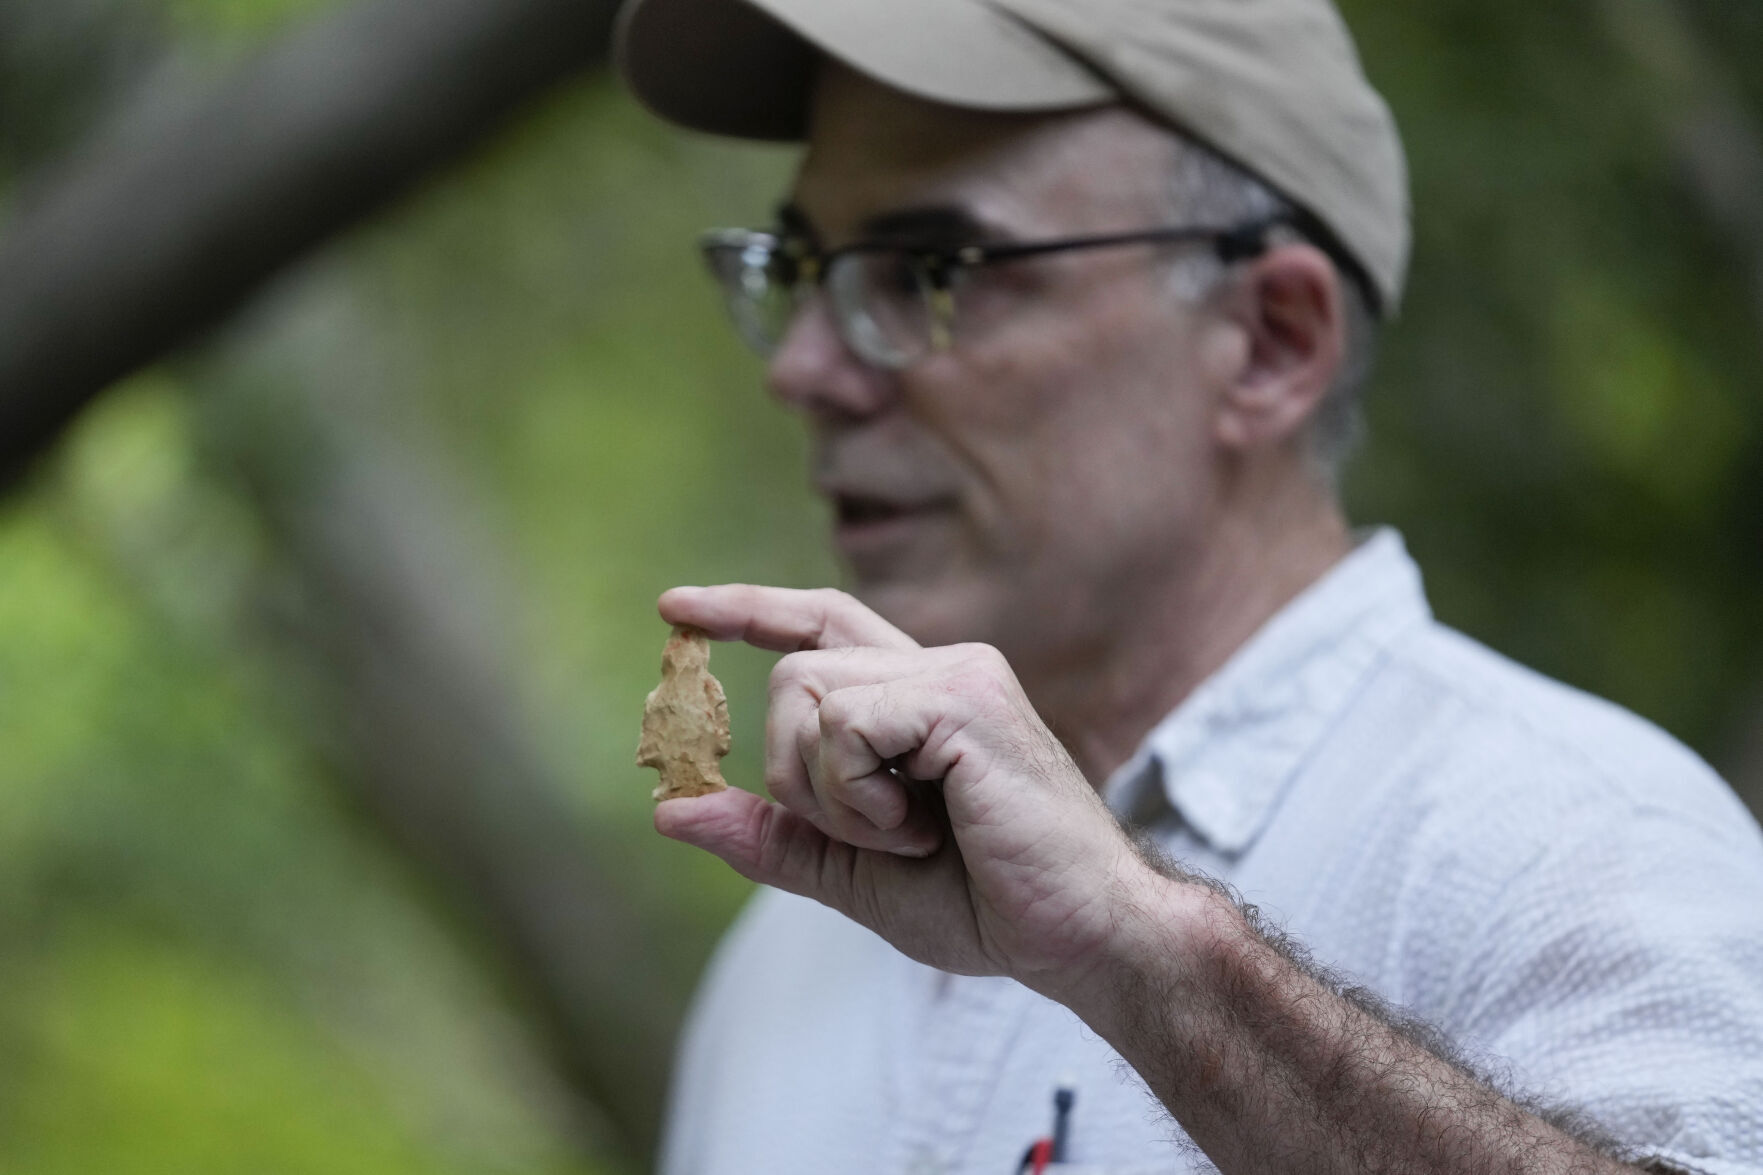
{"x":1565,"y":891}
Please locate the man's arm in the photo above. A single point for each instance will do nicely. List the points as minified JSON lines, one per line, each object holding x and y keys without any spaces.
{"x":1011,"y":865}
{"x":1271,"y":1063}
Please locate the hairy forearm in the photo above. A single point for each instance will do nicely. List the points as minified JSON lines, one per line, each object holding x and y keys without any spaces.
{"x":1271,"y":1066}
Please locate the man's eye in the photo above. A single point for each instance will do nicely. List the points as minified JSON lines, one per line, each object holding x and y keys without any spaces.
{"x":899,"y":274}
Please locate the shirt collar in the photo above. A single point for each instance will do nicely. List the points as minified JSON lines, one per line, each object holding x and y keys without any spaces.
{"x":1225,"y":755}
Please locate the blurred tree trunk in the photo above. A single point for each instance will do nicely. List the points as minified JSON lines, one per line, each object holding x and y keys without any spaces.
{"x":1713,"y":134}
{"x":158,"y":227}
{"x":380,"y":611}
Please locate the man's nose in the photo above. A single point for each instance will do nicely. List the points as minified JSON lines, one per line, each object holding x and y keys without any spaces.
{"x":814,"y":371}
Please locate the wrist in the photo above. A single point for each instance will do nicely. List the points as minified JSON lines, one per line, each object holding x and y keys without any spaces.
{"x":1165,"y":932}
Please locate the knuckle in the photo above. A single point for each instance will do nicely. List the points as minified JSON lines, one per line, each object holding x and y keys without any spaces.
{"x":984,"y":658}
{"x":789,"y":672}
{"x":837,"y":711}
{"x":981,"y":672}
{"x":834,"y":600}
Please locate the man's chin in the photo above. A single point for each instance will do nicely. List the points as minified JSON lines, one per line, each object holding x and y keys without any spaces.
{"x":932,"y":611}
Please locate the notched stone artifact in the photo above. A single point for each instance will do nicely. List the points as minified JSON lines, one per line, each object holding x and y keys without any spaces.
{"x":685,"y":720}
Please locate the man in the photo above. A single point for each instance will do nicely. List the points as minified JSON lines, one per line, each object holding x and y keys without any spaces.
{"x":1077,"y":385}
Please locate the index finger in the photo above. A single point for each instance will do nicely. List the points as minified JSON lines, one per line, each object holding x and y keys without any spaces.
{"x":784,"y":620}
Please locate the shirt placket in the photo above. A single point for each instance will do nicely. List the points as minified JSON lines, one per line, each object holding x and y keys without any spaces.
{"x":961,"y":1035}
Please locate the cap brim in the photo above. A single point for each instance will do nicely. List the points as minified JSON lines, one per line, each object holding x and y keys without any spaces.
{"x":745,"y":67}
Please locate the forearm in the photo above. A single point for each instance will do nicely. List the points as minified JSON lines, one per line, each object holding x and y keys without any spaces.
{"x":1269,"y":1068}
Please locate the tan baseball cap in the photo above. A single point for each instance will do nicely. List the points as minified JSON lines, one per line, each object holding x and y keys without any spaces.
{"x":1275,"y":85}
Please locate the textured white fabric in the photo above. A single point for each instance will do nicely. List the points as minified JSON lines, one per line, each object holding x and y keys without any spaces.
{"x":1564,"y":890}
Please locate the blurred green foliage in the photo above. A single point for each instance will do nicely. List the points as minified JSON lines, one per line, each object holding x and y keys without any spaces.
{"x":1567,"y":424}
{"x":212,"y":963}
{"x":251,"y":20}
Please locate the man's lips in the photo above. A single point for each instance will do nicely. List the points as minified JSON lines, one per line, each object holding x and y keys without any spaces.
{"x":860,"y":519}
{"x":864,"y":508}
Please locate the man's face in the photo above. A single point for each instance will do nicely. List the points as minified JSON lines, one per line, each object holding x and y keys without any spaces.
{"x":1044,"y":480}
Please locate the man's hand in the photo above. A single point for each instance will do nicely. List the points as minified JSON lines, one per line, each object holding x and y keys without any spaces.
{"x":917,"y":791}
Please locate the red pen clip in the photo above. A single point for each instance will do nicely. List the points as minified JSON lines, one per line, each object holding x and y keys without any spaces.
{"x":1043,"y":1151}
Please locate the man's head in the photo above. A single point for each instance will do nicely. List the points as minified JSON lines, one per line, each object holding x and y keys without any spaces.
{"x":1096,"y":416}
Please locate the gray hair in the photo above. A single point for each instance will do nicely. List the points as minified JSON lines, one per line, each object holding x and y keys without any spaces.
{"x":1209,"y":189}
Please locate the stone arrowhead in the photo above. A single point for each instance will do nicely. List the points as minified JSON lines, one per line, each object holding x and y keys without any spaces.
{"x":685,"y":720}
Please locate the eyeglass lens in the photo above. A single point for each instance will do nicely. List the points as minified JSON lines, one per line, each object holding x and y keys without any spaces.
{"x":760,"y":298}
{"x":879,"y":299}
{"x":881,"y":302}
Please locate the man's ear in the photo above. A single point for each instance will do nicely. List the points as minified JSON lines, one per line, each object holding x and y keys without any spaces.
{"x":1288,"y":304}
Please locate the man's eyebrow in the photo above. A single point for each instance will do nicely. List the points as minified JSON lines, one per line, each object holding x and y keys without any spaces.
{"x":942,"y":224}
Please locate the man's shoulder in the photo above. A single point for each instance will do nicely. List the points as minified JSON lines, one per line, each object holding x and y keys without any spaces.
{"x":1453,"y":772}
{"x":1534,"y":741}
{"x":1469,"y":810}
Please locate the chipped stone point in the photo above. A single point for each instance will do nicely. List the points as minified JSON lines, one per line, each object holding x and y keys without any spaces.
{"x":685,"y":720}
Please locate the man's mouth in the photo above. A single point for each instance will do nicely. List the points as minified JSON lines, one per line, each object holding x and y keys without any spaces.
{"x":862,"y":518}
{"x":857,"y":510}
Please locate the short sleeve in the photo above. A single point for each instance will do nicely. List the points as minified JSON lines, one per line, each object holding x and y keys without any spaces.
{"x":1622,"y":975}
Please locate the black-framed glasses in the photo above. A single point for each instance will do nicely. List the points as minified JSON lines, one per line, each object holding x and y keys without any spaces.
{"x":892,"y":303}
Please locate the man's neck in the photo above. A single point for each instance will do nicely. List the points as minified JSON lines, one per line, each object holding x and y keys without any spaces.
{"x":1104,"y":702}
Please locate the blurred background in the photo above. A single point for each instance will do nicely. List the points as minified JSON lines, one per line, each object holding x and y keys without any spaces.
{"x":359,"y":392}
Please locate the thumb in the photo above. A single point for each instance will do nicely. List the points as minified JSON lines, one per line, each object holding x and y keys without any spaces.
{"x":762,"y":841}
